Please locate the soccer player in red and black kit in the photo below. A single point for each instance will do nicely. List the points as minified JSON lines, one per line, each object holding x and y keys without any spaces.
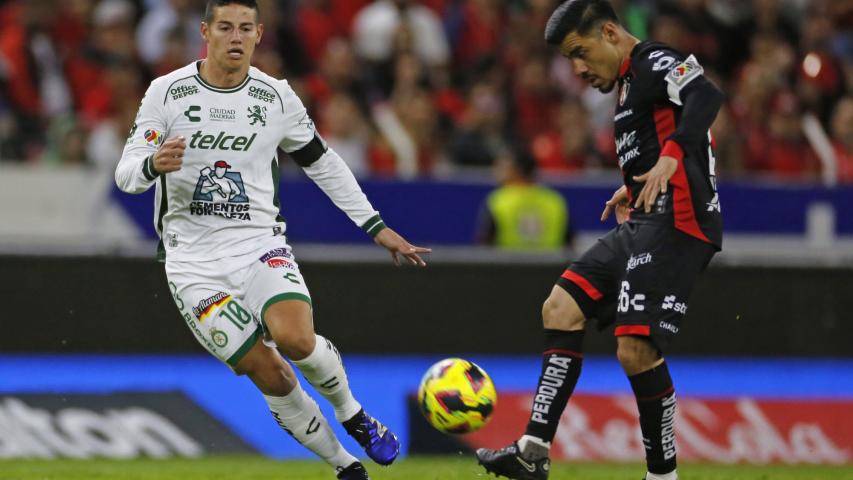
{"x":640,"y":274}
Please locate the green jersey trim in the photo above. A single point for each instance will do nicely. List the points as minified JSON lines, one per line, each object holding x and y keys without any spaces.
{"x":374,"y":225}
{"x":241,"y":352}
{"x":164,"y":207}
{"x":166,"y":96}
{"x":148,"y":168}
{"x":280,"y":298}
{"x":223,"y":90}
{"x":276,"y":178}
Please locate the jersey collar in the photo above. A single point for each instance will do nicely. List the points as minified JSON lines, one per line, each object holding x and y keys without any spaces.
{"x":219,"y":89}
{"x":626,"y":66}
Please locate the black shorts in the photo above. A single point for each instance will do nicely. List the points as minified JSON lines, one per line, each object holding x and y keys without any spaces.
{"x":639,"y":276}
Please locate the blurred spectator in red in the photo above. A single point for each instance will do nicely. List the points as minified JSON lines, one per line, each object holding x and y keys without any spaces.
{"x":568,"y":146}
{"x":727,"y":142}
{"x":346,"y":131}
{"x":408,"y":125}
{"x":535,"y":98}
{"x":183,"y":17}
{"x":315,"y":28}
{"x":842,"y":138}
{"x":377,"y":24}
{"x":110,"y":45}
{"x":337,"y":73}
{"x":700,"y":32}
{"x":481,"y":133}
{"x":821,"y":81}
{"x":780,"y":148}
{"x":476,"y":29}
{"x":31,"y":77}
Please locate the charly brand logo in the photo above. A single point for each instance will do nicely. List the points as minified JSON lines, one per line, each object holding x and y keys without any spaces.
{"x":183,"y":91}
{"x":220,"y":192}
{"x":257,"y":114}
{"x":261,"y":94}
{"x":191,"y":112}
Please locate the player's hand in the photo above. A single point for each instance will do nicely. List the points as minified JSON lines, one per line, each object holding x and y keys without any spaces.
{"x":398,"y":245}
{"x":170,"y":155}
{"x":656,"y":181}
{"x":618,"y":203}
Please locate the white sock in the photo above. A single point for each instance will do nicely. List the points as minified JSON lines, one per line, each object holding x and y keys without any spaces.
{"x":526,"y":441}
{"x":299,"y":415}
{"x":325,"y":372}
{"x":662,"y":476}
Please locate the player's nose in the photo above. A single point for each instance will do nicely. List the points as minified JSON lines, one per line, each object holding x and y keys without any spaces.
{"x":579,"y":66}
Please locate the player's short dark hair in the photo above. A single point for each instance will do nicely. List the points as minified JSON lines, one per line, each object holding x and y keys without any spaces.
{"x":577,"y":16}
{"x":212,"y":4}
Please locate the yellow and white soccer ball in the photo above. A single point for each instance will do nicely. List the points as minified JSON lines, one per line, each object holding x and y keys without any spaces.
{"x":457,"y":396}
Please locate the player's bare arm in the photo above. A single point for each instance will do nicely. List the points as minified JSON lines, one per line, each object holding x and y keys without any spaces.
{"x":170,"y":155}
{"x":656,"y":181}
{"x":618,"y":203}
{"x":398,"y":245}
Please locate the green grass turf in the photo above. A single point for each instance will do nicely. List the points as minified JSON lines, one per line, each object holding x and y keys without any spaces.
{"x":417,"y":468}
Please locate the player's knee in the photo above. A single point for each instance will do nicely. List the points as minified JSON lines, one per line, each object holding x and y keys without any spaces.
{"x":636,"y":354}
{"x":560,"y":312}
{"x":272,"y":377}
{"x":296,"y":346}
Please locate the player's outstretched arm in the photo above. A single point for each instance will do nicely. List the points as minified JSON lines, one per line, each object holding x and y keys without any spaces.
{"x":398,"y":245}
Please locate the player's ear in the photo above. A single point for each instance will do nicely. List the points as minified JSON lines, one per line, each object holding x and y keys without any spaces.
{"x":610,"y":32}
{"x":205,"y":31}
{"x":260,"y":33}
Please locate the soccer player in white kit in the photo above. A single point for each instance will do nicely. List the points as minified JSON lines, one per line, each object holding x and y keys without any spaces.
{"x":206,"y":137}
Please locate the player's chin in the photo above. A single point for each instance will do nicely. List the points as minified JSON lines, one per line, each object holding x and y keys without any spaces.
{"x":607,"y":87}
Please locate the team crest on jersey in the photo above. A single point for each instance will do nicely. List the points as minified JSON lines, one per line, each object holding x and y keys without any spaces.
{"x":257,"y":114}
{"x":220,"y":191}
{"x":153,"y":137}
{"x":623,"y":92}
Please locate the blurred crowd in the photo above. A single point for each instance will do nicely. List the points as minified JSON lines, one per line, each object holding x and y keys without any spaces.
{"x":406,"y":88}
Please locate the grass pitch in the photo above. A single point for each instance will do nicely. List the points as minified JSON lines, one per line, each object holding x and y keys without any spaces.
{"x":412,"y":468}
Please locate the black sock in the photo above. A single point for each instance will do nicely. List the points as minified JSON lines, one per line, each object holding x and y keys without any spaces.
{"x":656,"y":402}
{"x":561,"y":367}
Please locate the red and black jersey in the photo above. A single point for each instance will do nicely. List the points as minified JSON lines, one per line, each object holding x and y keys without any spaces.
{"x":666,"y":107}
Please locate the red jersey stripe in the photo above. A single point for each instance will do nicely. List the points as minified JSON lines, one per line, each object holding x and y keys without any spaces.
{"x":584,"y":284}
{"x":643,"y":330}
{"x":682,"y":200}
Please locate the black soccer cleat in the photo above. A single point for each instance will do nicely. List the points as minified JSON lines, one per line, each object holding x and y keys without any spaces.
{"x":510,"y":463}
{"x":355,"y":471}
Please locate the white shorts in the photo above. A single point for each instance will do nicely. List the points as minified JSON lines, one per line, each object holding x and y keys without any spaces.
{"x":223,"y":301}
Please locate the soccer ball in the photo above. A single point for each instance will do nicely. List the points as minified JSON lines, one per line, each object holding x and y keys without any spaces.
{"x":457,"y":396}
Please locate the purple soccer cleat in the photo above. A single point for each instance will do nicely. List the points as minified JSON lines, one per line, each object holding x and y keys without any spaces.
{"x":380,"y":444}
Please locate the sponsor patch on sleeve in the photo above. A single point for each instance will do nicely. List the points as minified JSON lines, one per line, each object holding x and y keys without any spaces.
{"x":683,"y":73}
{"x":680,"y":75}
{"x":153,"y":137}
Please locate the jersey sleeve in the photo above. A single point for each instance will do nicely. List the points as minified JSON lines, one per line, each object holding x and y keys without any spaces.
{"x":323,"y":165}
{"x":135,"y":171}
{"x":681,"y":83}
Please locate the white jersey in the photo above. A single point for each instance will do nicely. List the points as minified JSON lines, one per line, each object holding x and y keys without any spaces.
{"x":226,"y":191}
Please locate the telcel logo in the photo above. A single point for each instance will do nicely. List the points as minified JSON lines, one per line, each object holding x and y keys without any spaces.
{"x":221,"y":141}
